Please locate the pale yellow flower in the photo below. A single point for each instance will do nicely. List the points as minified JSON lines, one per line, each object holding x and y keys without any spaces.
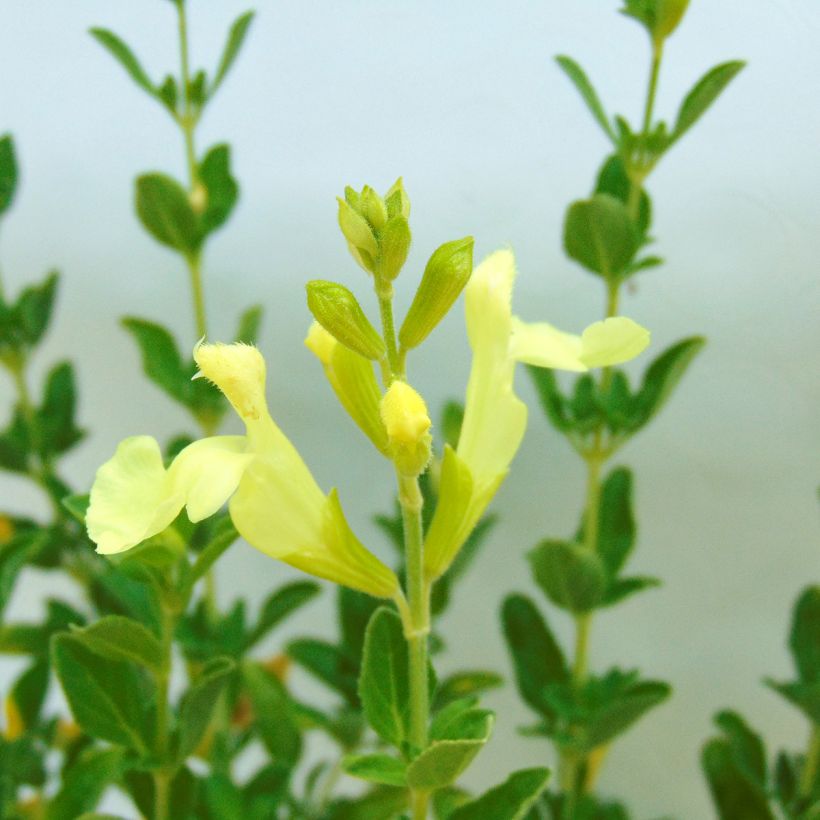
{"x":494,"y":417}
{"x":275,"y":503}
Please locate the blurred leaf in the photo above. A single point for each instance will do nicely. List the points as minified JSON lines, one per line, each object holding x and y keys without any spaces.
{"x":465,"y":684}
{"x":600,"y":235}
{"x":328,"y":663}
{"x":537,"y":656}
{"x":355,"y":610}
{"x":381,"y":803}
{"x":613,"y":180}
{"x":249,"y":322}
{"x":221,"y":187}
{"x":571,"y":575}
{"x":55,"y":418}
{"x":165,"y":211}
{"x":377,"y":768}
{"x":29,"y":692}
{"x":704,"y":93}
{"x":747,"y":748}
{"x":273,"y":714}
{"x":663,"y":375}
{"x":236,"y":37}
{"x":733,"y":794}
{"x":511,"y":800}
{"x":8,"y":172}
{"x":804,"y":641}
{"x":581,"y":82}
{"x":125,"y":57}
{"x":107,"y":698}
{"x":84,"y":783}
{"x":199,"y":703}
{"x":552,"y":400}
{"x":123,"y":639}
{"x":622,"y":588}
{"x":279,"y":605}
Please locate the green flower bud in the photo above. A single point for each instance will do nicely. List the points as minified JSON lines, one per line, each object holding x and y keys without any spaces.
{"x":394,"y":242}
{"x":397,"y":201}
{"x":373,"y":209}
{"x":360,"y":237}
{"x":335,"y":308}
{"x":445,"y":276}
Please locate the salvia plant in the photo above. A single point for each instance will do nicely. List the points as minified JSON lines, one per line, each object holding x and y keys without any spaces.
{"x":608,"y":234}
{"x":742,"y":779}
{"x":173,"y":703}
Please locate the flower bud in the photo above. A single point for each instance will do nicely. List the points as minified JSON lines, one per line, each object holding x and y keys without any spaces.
{"x":336,"y":309}
{"x":397,"y":201}
{"x":360,"y":237}
{"x":395,"y":244}
{"x":445,"y":276}
{"x":405,"y":418}
{"x":373,"y":209}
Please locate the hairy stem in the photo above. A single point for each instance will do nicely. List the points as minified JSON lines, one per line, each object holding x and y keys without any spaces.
{"x":198,"y":295}
{"x":187,"y":120}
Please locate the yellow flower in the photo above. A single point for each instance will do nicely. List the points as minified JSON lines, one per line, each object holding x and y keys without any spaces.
{"x":494,"y":417}
{"x":275,"y":503}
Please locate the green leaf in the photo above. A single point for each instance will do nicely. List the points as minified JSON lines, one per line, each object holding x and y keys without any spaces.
{"x":382,"y":803}
{"x":163,"y":365}
{"x":600,"y":235}
{"x":748,"y":750}
{"x":123,"y":639}
{"x":383,"y":685}
{"x":571,"y":575}
{"x":804,"y":641}
{"x":622,"y":711}
{"x":8,"y":172}
{"x":466,"y":684}
{"x":613,"y":180}
{"x":328,"y":663}
{"x":805,"y":696}
{"x":280,"y":604}
{"x":166,"y":213}
{"x":55,"y":418}
{"x":84,"y":783}
{"x":355,"y":609}
{"x":77,"y":506}
{"x":107,"y":698}
{"x":585,"y":88}
{"x":29,"y":692}
{"x":622,"y":588}
{"x":457,"y":743}
{"x":616,"y":524}
{"x":704,"y":93}
{"x":125,"y":57}
{"x":199,"y":703}
{"x":222,"y":189}
{"x":377,"y":768}
{"x":733,"y":794}
{"x":663,"y":375}
{"x":33,"y":310}
{"x":511,"y":800}
{"x":536,"y":655}
{"x":552,"y":400}
{"x":274,"y":714}
{"x":236,"y":37}
{"x":249,"y":322}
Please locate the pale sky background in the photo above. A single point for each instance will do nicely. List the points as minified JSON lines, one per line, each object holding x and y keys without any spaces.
{"x":463,"y":100}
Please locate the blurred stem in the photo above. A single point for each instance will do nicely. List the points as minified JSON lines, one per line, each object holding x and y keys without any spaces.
{"x":187,"y":121}
{"x":419,"y":801}
{"x":163,"y":775}
{"x":198,"y":294}
{"x":811,"y":765}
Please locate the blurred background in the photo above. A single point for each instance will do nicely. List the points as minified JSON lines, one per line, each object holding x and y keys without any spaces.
{"x":464,"y":101}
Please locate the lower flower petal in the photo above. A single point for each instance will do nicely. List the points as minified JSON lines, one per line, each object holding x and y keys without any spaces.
{"x":543,"y":345}
{"x":613,"y":341}
{"x":132,"y":497}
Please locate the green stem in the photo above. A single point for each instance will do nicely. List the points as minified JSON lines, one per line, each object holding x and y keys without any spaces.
{"x":649,"y":107}
{"x":187,"y":121}
{"x":418,"y":600}
{"x":163,"y":776}
{"x":811,"y":765}
{"x":384,"y":292}
{"x":581,"y":662}
{"x":419,"y":801}
{"x":198,"y":294}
